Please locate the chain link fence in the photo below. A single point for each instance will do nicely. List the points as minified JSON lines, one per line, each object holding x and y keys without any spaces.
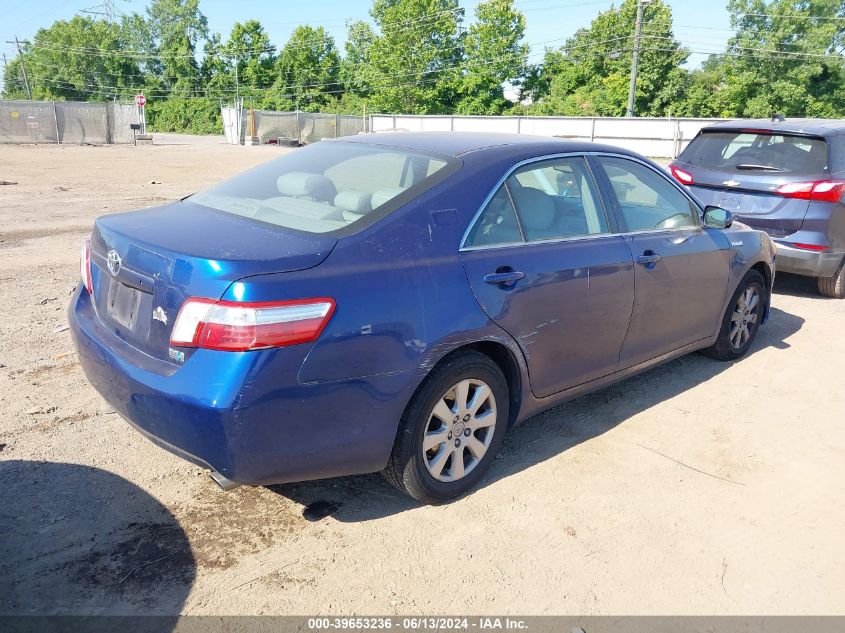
{"x":66,"y":122}
{"x":300,"y":127}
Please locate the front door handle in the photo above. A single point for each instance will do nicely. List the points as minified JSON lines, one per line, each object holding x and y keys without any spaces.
{"x":648,"y":259}
{"x":504,"y":277}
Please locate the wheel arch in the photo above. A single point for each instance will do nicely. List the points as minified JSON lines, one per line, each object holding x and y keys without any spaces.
{"x":507,"y":361}
{"x":766,"y":271}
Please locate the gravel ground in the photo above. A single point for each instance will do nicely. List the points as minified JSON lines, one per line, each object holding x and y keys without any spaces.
{"x":696,"y":488}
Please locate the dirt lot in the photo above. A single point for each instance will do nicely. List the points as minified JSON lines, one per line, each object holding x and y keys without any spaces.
{"x":696,"y":488}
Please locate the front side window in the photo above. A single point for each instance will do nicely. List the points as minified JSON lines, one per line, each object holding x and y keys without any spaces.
{"x":328,"y":186}
{"x":646,"y":199}
{"x":547,"y":200}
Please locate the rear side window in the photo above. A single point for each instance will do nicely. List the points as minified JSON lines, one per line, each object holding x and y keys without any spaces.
{"x":497,"y":223}
{"x":329,"y":186}
{"x":554,"y":199}
{"x":749,"y":151}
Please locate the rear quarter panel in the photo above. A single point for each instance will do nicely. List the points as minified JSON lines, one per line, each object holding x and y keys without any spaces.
{"x":403,"y":301}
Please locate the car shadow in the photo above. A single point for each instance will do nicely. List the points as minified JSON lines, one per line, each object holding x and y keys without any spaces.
{"x":81,"y":541}
{"x":367,"y":497}
{"x":798,"y":286}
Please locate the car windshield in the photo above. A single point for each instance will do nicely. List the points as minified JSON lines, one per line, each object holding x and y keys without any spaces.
{"x":329,"y":186}
{"x":757,"y":151}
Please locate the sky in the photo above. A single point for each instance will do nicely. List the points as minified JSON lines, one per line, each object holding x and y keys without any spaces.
{"x":701,"y":25}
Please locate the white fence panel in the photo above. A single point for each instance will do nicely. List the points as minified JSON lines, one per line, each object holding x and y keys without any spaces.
{"x":574,"y":128}
{"x":486,"y":124}
{"x":231,"y":125}
{"x":658,"y":138}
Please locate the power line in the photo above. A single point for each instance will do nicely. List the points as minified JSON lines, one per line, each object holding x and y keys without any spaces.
{"x":272,"y":49}
{"x":464,"y":65}
{"x":106,"y":9}
{"x":377,"y":84}
{"x":379,"y":81}
{"x":794,"y":16}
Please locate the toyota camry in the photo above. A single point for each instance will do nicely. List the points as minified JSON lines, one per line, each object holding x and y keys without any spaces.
{"x":395,"y":302}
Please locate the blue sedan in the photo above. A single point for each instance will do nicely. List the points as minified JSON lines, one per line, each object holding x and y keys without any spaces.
{"x":395,"y":302}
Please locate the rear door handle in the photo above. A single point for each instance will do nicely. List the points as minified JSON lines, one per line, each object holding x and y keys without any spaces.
{"x":504,"y":277}
{"x":648,"y":259}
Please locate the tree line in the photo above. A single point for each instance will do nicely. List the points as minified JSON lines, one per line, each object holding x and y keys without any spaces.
{"x":428,"y":57}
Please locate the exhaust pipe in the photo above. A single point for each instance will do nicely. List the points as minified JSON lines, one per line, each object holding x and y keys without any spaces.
{"x":225,"y":484}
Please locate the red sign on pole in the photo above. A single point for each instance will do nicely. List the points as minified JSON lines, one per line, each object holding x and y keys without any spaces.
{"x":140,"y":101}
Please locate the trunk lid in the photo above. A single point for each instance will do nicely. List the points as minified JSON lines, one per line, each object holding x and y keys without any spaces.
{"x":146,"y":263}
{"x":751,"y":198}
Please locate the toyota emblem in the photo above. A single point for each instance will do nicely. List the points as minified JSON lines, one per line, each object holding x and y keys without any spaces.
{"x":113,"y":261}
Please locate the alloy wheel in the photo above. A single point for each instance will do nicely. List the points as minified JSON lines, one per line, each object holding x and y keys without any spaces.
{"x":744,"y":317}
{"x":459,"y":431}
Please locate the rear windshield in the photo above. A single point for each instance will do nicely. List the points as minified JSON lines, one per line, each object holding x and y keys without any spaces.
{"x":329,"y":186}
{"x":748,"y":151}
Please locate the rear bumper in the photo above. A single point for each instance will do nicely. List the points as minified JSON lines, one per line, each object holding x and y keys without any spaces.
{"x":244,"y":415}
{"x":809,"y":263}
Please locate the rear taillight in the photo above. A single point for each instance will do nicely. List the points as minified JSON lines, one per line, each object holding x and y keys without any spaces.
{"x":820,"y":190}
{"x":683,"y":177}
{"x":235,"y":326}
{"x":85,"y":265}
{"x":809,"y":247}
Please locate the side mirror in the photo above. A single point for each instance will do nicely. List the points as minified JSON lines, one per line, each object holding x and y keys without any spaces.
{"x":717,"y":217}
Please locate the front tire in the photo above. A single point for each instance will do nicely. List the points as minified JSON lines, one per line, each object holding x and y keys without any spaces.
{"x":451,"y":430}
{"x":834,"y":287}
{"x":742,"y":319}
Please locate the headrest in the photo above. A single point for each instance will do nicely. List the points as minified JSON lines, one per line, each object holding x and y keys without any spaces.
{"x":537,"y":209}
{"x":301,"y":184}
{"x":357,"y":202}
{"x":383,"y":195}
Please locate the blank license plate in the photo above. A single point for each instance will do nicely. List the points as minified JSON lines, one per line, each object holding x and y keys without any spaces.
{"x":124,"y":304}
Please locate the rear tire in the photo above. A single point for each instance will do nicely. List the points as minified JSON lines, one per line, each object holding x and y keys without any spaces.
{"x":834,"y":287}
{"x":742,"y":319}
{"x":460,"y":412}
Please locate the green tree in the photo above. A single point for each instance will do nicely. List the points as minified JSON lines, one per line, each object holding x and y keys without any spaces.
{"x":13,"y":82}
{"x":176,"y":28}
{"x":780,"y":60}
{"x":414,"y":62}
{"x":494,"y":55}
{"x":589,"y":74}
{"x":250,"y":45}
{"x":353,"y":70}
{"x":217,"y":68}
{"x":75,"y":60}
{"x":141,"y":47}
{"x":704,"y":96}
{"x":307,"y":71}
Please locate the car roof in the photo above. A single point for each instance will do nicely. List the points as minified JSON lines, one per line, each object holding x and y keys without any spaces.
{"x":462,"y":143}
{"x":818,"y":127}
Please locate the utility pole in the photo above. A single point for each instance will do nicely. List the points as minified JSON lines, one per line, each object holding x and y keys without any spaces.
{"x":237,"y":83}
{"x":635,"y":57}
{"x":18,"y":43}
